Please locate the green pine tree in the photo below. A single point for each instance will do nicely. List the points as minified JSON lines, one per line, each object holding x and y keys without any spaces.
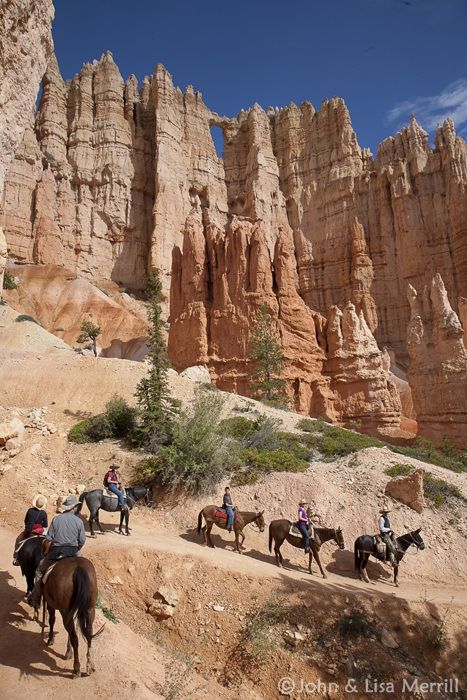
{"x":266,"y":352}
{"x":89,"y":331}
{"x":157,"y":408}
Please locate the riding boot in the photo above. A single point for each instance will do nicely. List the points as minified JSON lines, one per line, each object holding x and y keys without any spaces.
{"x":34,"y":598}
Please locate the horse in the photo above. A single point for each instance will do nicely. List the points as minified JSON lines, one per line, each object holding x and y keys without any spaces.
{"x":365,"y":545}
{"x":241,"y":519}
{"x":71,"y":588}
{"x":29,"y":557}
{"x":279,"y":530}
{"x":96,"y":500}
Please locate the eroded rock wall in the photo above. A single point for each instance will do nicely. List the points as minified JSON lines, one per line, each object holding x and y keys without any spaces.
{"x":25,"y":48}
{"x":438,"y":365}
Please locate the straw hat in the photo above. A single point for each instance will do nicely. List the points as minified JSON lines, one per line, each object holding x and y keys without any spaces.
{"x":385,"y":509}
{"x":39,"y":501}
{"x":302,"y":502}
{"x":69,"y":503}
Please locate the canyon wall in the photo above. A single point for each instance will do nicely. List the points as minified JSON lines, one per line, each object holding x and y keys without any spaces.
{"x":115,"y":178}
{"x":438,"y":364}
{"x":25,"y":48}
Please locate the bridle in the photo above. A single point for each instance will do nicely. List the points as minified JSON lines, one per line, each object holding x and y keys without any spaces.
{"x":147,"y":501}
{"x":412,"y":542}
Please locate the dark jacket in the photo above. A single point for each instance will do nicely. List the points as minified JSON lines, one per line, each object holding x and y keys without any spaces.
{"x":34,"y":516}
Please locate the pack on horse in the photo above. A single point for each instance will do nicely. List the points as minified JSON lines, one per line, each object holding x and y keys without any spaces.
{"x":71,"y":588}
{"x":366,"y":545}
{"x":280,"y":530}
{"x":216,"y":516}
{"x":97,"y":499}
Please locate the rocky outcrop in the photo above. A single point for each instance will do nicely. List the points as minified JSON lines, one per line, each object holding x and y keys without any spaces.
{"x":408,"y":490}
{"x":60,"y":300}
{"x":333,"y":368}
{"x":84,"y":181}
{"x":438,"y":365}
{"x":25,"y":47}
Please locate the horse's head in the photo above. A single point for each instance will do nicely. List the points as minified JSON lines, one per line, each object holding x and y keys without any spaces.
{"x":339,"y":538}
{"x":259,"y":520}
{"x":417,"y":539}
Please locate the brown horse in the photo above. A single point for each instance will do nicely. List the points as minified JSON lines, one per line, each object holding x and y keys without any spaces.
{"x":71,"y":588}
{"x":279,"y":530}
{"x":241,"y":519}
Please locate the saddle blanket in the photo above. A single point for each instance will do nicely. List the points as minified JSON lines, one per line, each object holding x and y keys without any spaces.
{"x":220,"y":513}
{"x":111,"y":494}
{"x":23,"y":542}
{"x":295,"y":532}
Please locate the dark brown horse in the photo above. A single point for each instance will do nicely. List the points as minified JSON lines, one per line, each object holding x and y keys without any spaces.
{"x":71,"y":588}
{"x":241,"y":519}
{"x":279,"y":530}
{"x":366,"y":545}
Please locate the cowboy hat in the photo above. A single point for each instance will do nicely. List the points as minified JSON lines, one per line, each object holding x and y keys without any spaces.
{"x":39,"y":501}
{"x":386,"y":509}
{"x":302,"y":502}
{"x":69,"y":503}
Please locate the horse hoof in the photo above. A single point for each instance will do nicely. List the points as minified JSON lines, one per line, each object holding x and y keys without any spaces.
{"x":76,"y":674}
{"x":324,"y":576}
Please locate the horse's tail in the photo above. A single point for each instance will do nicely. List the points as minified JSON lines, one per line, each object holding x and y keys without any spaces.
{"x":79,"y":603}
{"x":200,"y":521}
{"x":270,"y":538}
{"x":82,"y":497}
{"x":356,"y":556}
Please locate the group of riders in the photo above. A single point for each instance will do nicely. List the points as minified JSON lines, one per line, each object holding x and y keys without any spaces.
{"x":66,"y":535}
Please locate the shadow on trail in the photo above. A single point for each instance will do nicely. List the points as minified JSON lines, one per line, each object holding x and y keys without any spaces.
{"x":219,"y":542}
{"x":343,"y":565}
{"x":20,"y":647}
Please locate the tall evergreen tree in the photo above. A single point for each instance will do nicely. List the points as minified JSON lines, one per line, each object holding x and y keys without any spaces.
{"x":266,"y":352}
{"x":157,"y":408}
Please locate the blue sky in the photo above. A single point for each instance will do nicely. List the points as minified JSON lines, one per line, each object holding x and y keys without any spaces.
{"x":386,"y":58}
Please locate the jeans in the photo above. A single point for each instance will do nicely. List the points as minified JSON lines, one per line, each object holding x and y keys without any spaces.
{"x":386,"y":537}
{"x":303,"y":527}
{"x":230,"y":516}
{"x":117,"y":492}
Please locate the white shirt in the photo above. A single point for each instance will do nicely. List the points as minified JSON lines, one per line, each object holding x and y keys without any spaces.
{"x":382,"y":526}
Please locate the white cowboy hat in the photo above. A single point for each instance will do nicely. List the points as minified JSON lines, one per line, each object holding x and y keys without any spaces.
{"x":39,"y":501}
{"x":69,"y":503}
{"x":386,"y":509}
{"x":302,"y":502}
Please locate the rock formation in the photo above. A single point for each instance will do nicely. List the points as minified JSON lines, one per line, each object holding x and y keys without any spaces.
{"x":438,"y":365}
{"x":408,"y":490}
{"x":26,"y":45}
{"x":3,"y":259}
{"x":333,"y":368}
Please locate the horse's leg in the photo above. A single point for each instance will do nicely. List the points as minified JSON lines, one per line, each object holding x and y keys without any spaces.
{"x":51,"y":612}
{"x":204,"y":534}
{"x":277,"y":552}
{"x":89,"y":663}
{"x":99,"y":522}
{"x":310,"y":559}
{"x":318,"y":561}
{"x":365,"y":557}
{"x":208,"y":534}
{"x":237,"y":536}
{"x":73,"y":640}
{"x":127,"y":518}
{"x":92,"y":515}
{"x":396,"y":572}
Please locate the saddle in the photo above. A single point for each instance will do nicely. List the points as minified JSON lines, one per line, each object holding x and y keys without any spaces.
{"x":222,"y":513}
{"x":111,"y":494}
{"x":381,"y":546}
{"x":23,"y":542}
{"x":295,"y":532}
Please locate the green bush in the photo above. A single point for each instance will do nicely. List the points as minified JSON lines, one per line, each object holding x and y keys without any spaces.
{"x":258,"y":462}
{"x":99,"y":428}
{"x":121,"y":416}
{"x":25,"y":317}
{"x":78,"y":433}
{"x":438,"y":490}
{"x":311,"y":426}
{"x":199,"y":456}
{"x":9,"y":281}
{"x":337,"y":442}
{"x":399,"y":470}
{"x":446,"y":456}
{"x":238,"y":427}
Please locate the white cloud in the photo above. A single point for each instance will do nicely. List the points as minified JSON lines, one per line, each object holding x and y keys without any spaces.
{"x":430,"y":111}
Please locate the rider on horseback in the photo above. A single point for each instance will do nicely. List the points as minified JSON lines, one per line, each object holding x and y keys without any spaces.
{"x":387,"y":534}
{"x":228,"y":505}
{"x":113,"y":482}
{"x":303,"y":523}
{"x":66,"y":535}
{"x":35,"y":522}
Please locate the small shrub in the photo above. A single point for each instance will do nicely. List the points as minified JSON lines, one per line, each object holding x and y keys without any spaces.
{"x":355,"y":624}
{"x":398,"y":470}
{"x":259,"y":462}
{"x":108,"y":613}
{"x":438,"y":490}
{"x":78,"y":433}
{"x":447,"y":456}
{"x":121,"y":416}
{"x":337,"y":442}
{"x":25,"y":317}
{"x":59,"y":330}
{"x":265,"y":437}
{"x":257,"y":637}
{"x":9,"y":281}
{"x":311,"y":426}
{"x":238,"y":427}
{"x":99,"y":428}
